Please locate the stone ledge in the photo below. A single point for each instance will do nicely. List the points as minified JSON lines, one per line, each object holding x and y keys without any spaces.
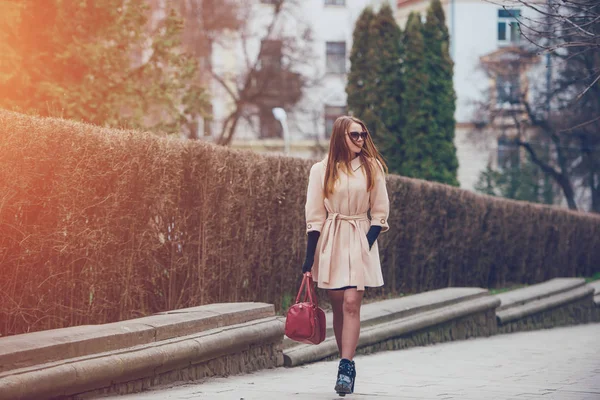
{"x":109,"y":369}
{"x":578,"y":312}
{"x":35,"y":348}
{"x":255,"y":358}
{"x":392,"y":309}
{"x":596,"y":286}
{"x":547,"y":303}
{"x":371,"y":335}
{"x":480,"y":324}
{"x":539,"y":291}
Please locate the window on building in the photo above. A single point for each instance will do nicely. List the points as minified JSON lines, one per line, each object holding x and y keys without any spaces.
{"x":509,"y":31}
{"x":270,"y":54}
{"x":336,"y":57}
{"x":508,"y":153}
{"x":331,"y":114}
{"x":508,"y":89}
{"x":269,"y":126}
{"x":335,"y":2}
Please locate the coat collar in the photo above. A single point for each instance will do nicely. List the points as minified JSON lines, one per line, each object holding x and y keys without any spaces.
{"x":355,"y":164}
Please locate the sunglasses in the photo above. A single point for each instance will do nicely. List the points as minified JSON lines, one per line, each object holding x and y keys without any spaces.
{"x":356,"y":135}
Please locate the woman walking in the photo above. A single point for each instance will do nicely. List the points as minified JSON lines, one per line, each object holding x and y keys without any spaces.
{"x":341,"y":247}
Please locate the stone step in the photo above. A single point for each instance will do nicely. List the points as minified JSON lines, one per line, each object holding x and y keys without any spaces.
{"x":222,"y":351}
{"x":543,"y":304}
{"x":20,"y":351}
{"x":370,"y":335}
{"x":596,"y":286}
{"x":549,"y":288}
{"x":402,"y":307}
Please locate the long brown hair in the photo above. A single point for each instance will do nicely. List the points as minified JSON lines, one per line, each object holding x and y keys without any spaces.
{"x":340,"y":153}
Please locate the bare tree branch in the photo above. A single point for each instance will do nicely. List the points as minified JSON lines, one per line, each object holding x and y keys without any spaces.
{"x":224,"y":85}
{"x":581,"y":125}
{"x":256,"y":80}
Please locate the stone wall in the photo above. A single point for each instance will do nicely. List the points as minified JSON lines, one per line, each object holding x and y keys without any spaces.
{"x":474,"y":325}
{"x":579,"y":312}
{"x":253,"y":359}
{"x":184,"y":345}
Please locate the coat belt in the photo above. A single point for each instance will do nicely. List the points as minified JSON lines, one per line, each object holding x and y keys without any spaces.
{"x":358,"y":254}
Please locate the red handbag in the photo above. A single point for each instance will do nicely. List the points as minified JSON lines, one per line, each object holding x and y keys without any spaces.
{"x":305,"y":321}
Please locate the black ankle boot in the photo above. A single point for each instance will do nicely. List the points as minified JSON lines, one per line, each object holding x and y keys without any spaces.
{"x":345,"y":379}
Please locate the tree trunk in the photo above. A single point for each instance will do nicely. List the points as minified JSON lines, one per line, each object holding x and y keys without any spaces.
{"x":595,"y":191}
{"x":567,"y":189}
{"x":229,"y":126}
{"x":560,"y":177}
{"x":593,"y":169}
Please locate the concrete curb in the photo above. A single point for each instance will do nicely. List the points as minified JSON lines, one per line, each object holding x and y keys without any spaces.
{"x":596,"y":286}
{"x":377,"y":333}
{"x":35,"y":348}
{"x":393,"y":309}
{"x":539,"y":291}
{"x":84,"y":374}
{"x":544,"y":304}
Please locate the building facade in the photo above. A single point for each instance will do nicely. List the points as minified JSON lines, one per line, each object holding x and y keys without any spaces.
{"x":485,"y":41}
{"x":482,"y":34}
{"x":312,"y":38}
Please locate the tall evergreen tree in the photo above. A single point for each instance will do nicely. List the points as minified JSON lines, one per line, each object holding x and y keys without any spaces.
{"x":375,"y":80}
{"x":418,"y":156}
{"x":361,"y":77}
{"x":385,"y":98}
{"x":401,"y":86}
{"x":441,"y":95}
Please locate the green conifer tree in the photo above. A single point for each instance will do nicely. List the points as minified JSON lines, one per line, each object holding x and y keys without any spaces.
{"x":375,"y":80}
{"x":418,"y":161}
{"x":361,"y":77}
{"x":385,"y":97}
{"x":441,"y":96}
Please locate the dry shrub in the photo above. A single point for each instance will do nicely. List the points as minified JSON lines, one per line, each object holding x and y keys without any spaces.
{"x":99,"y":225}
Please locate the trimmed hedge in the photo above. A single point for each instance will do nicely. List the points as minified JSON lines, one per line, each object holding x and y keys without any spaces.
{"x":99,"y":225}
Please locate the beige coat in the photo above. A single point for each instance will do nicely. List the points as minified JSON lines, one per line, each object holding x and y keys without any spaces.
{"x":343,"y":257}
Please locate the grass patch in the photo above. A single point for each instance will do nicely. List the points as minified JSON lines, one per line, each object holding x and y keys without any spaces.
{"x":595,"y":277}
{"x":505,"y":289}
{"x":286,"y":301}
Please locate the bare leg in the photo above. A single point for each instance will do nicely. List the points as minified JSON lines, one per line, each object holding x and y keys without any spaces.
{"x":351,"y":327}
{"x":336,"y":297}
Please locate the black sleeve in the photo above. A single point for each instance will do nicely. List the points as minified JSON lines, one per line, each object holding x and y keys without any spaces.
{"x":311,"y":247}
{"x":372,"y":234}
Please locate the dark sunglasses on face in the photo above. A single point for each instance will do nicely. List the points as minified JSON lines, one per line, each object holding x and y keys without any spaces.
{"x":356,"y":135}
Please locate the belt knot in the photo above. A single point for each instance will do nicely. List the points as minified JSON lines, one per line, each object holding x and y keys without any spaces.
{"x":329,"y":232}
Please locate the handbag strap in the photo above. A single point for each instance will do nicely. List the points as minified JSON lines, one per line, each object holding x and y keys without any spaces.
{"x":301,"y":287}
{"x":310,"y":294}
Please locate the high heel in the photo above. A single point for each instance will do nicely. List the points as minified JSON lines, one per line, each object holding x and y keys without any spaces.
{"x":345,"y":379}
{"x":353,"y":375}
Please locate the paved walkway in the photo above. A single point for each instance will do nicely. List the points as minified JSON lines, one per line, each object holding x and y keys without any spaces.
{"x":558,"y":364}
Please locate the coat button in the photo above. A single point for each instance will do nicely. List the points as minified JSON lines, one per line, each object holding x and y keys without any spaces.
{"x":309,"y":226}
{"x":383,"y":221}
